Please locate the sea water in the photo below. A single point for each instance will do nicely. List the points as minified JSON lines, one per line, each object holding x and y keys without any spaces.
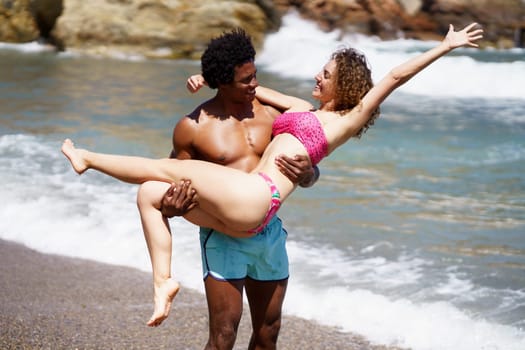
{"x":413,"y":236}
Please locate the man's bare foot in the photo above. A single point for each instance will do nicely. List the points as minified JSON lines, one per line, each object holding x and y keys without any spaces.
{"x":164,"y":295}
{"x":75,"y":156}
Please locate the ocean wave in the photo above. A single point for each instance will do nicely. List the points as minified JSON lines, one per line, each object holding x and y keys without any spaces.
{"x":429,"y":319}
{"x":300,"y":49}
{"x":30,"y":47}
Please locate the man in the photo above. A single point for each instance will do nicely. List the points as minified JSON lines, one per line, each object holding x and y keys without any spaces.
{"x":233,"y":129}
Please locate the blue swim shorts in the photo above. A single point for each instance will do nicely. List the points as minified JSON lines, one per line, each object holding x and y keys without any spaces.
{"x":262,"y":257}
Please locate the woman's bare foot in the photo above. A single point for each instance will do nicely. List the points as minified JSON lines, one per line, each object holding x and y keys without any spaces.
{"x":164,"y":294}
{"x":75,"y":156}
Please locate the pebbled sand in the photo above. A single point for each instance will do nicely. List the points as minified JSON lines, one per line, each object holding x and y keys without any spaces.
{"x":54,"y":302}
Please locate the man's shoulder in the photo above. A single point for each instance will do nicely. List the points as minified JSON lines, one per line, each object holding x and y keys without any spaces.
{"x":195,"y":119}
{"x":199,"y":112}
{"x":211,"y":113}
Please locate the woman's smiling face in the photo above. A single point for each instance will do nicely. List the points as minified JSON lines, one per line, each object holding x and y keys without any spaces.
{"x":324,"y":90}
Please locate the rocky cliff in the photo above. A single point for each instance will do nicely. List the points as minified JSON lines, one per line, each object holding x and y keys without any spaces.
{"x":502,"y":20}
{"x":173,"y":28}
{"x":182,"y":28}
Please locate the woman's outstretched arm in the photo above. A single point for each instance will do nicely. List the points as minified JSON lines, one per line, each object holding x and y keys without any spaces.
{"x":404,"y":72}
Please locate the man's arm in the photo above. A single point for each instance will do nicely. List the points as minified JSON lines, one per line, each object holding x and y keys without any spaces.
{"x":180,"y":198}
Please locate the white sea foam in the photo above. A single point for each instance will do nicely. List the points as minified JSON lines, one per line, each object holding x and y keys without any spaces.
{"x":389,"y":318}
{"x":30,"y":47}
{"x":49,"y":208}
{"x":399,"y":321}
{"x":300,"y":49}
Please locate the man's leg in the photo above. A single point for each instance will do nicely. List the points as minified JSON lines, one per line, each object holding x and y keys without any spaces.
{"x":266,"y":301}
{"x":225,"y":311}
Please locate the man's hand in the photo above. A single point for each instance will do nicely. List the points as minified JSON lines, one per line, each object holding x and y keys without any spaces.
{"x":298,"y":169}
{"x":178,"y":199}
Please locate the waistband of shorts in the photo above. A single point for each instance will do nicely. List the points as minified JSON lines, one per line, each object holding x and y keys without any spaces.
{"x":275,"y":220}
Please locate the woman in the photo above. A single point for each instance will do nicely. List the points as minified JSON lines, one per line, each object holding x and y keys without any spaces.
{"x":349,"y":104}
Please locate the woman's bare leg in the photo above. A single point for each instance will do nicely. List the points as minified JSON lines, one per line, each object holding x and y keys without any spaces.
{"x":158,"y":239}
{"x":125,"y":168}
{"x":221,"y":190}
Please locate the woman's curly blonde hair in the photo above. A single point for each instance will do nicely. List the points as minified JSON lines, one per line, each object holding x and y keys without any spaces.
{"x":353,"y":81}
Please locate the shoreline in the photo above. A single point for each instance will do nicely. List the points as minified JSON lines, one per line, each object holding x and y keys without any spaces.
{"x":55,"y":302}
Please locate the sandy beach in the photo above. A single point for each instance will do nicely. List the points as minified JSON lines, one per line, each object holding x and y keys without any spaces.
{"x":55,"y":302}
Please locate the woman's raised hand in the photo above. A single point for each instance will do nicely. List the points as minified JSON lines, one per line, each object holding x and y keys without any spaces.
{"x":466,"y":37}
{"x":195,"y":82}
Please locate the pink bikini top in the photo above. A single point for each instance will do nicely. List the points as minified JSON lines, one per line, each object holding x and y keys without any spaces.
{"x":306,"y":128}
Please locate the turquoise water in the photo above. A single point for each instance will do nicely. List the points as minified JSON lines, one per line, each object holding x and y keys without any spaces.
{"x":414,"y":235}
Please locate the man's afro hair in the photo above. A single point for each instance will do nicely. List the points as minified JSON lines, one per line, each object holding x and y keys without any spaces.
{"x":223,"y":54}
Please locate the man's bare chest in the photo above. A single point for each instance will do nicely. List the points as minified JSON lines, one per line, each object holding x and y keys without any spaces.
{"x":230,"y":142}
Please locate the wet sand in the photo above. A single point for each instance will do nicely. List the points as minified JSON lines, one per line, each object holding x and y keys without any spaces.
{"x":55,"y":302}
